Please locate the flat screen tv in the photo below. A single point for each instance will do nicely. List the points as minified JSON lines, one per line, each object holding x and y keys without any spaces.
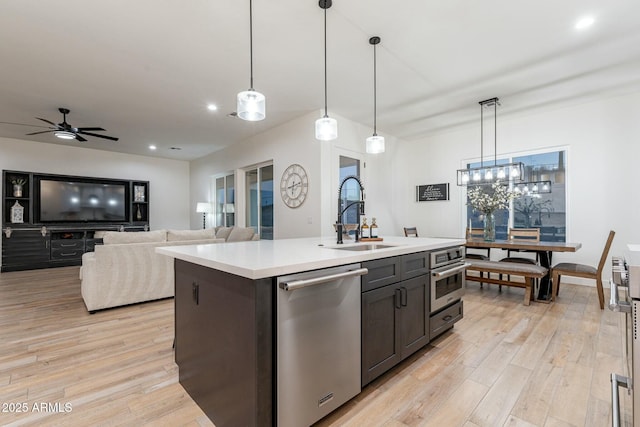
{"x":81,"y":201}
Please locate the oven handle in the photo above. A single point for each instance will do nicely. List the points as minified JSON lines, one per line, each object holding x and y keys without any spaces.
{"x":614,"y":303}
{"x":450,"y":272}
{"x":616,"y":382}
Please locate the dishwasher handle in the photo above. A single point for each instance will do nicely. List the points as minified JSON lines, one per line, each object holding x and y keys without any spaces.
{"x":303,"y":283}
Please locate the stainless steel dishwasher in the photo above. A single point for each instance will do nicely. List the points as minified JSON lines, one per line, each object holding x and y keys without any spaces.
{"x":318,"y":343}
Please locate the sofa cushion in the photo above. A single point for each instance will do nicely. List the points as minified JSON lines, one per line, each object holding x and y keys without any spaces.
{"x":180,"y":235}
{"x":241,"y":234}
{"x":111,"y":237}
{"x":223,"y":232}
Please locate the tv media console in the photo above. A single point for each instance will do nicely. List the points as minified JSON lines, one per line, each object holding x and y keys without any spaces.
{"x":29,"y":242}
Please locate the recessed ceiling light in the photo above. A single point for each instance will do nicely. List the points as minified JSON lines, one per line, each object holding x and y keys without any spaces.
{"x":152,"y":147}
{"x":212,"y":107}
{"x":584,"y":22}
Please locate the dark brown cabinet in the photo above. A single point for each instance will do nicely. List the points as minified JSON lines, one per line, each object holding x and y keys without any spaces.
{"x":395,"y":316}
{"x":224,"y":344}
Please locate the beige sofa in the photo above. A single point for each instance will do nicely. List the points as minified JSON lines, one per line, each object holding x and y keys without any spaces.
{"x":126,"y":269}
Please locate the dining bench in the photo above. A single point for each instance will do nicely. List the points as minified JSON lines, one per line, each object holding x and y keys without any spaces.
{"x":528,"y":272}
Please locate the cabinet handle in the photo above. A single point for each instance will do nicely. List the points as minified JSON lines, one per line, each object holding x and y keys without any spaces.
{"x":403,"y":296}
{"x":397,"y":298}
{"x":195,"y":288}
{"x":447,"y":317}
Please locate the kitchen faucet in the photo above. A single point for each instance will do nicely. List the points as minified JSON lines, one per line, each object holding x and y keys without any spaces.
{"x":342,"y":211}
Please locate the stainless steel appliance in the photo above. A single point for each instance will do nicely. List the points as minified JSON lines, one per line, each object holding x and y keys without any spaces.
{"x":447,"y":276}
{"x":318,"y":343}
{"x":625,"y":298}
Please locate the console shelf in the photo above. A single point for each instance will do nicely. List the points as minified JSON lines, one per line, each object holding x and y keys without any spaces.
{"x":30,"y":243}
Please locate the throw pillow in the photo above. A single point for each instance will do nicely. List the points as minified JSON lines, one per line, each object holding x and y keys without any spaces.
{"x":240,"y":234}
{"x":223,"y":232}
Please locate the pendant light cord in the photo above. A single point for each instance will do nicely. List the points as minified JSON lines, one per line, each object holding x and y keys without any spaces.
{"x":481,"y":134}
{"x":326,"y":114}
{"x":495,"y":133}
{"x":375,"y":110}
{"x":251,"y":43}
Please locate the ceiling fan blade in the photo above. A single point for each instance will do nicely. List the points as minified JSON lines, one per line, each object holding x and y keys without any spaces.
{"x":24,"y":124}
{"x":83,"y":129}
{"x":79,"y":138}
{"x":98,"y":136}
{"x":47,"y":121}
{"x":42,"y":131}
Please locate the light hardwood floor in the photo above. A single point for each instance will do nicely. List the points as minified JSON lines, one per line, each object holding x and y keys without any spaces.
{"x":504,"y":364}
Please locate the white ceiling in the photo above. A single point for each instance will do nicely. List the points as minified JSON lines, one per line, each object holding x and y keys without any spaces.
{"x":145,"y":70}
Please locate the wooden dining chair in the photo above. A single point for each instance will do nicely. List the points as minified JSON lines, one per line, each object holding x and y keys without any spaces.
{"x":410,"y":232}
{"x":477,"y":233}
{"x":582,"y":270}
{"x":522,"y":235}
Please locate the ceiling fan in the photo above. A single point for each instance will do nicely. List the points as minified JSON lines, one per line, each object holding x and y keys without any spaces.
{"x":65,"y":131}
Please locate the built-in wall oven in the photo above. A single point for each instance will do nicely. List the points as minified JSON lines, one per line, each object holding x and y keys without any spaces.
{"x":625,"y":298}
{"x":447,"y":276}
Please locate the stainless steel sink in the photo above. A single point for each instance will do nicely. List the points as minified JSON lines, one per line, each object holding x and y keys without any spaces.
{"x":363,"y":247}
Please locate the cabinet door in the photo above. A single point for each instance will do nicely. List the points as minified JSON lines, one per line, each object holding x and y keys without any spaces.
{"x":24,"y":248}
{"x":380,"y":339}
{"x":414,"y":315}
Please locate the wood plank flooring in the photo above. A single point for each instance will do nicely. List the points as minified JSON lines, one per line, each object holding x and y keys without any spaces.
{"x":504,"y":364}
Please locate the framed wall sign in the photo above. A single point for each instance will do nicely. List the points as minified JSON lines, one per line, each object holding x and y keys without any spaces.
{"x":432,"y":192}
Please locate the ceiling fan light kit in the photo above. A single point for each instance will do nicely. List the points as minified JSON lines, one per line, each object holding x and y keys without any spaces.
{"x":251,"y":104}
{"x":63,"y":134}
{"x":326,"y":127}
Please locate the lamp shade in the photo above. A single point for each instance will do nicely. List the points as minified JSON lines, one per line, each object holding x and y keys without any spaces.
{"x":251,"y":105}
{"x":326,"y":129}
{"x":375,"y":144}
{"x":204,"y":207}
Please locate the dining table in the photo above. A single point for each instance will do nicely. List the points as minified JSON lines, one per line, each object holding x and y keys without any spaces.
{"x":544,"y":250}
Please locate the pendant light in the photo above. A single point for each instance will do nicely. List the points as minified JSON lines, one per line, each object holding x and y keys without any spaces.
{"x":486,"y":175}
{"x":251,"y":103}
{"x":375,"y":143}
{"x":326,"y":127}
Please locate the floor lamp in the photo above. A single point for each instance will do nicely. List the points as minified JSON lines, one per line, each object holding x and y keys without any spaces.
{"x":204,"y":208}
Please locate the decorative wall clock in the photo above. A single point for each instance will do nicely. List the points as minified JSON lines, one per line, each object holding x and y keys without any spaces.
{"x":294,"y":186}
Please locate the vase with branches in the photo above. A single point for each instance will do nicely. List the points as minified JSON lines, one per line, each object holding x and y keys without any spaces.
{"x":487,"y":202}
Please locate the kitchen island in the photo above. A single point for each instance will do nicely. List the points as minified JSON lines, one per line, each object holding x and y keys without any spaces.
{"x":225,"y":299}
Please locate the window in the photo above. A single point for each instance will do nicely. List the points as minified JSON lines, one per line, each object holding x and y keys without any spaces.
{"x":259,"y":196}
{"x":225,"y":201}
{"x":542,"y":198}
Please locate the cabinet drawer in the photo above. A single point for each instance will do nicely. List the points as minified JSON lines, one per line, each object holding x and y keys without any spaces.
{"x":382,"y":272}
{"x":90,"y":245}
{"x":414,"y":265}
{"x":67,"y":244}
{"x":64,"y":253}
{"x":444,"y":319}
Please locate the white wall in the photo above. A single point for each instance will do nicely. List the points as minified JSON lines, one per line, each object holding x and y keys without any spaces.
{"x":168,"y":179}
{"x":604,"y":150}
{"x":295,"y":142}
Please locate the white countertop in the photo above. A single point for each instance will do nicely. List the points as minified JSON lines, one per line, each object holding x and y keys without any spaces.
{"x":272,"y":258}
